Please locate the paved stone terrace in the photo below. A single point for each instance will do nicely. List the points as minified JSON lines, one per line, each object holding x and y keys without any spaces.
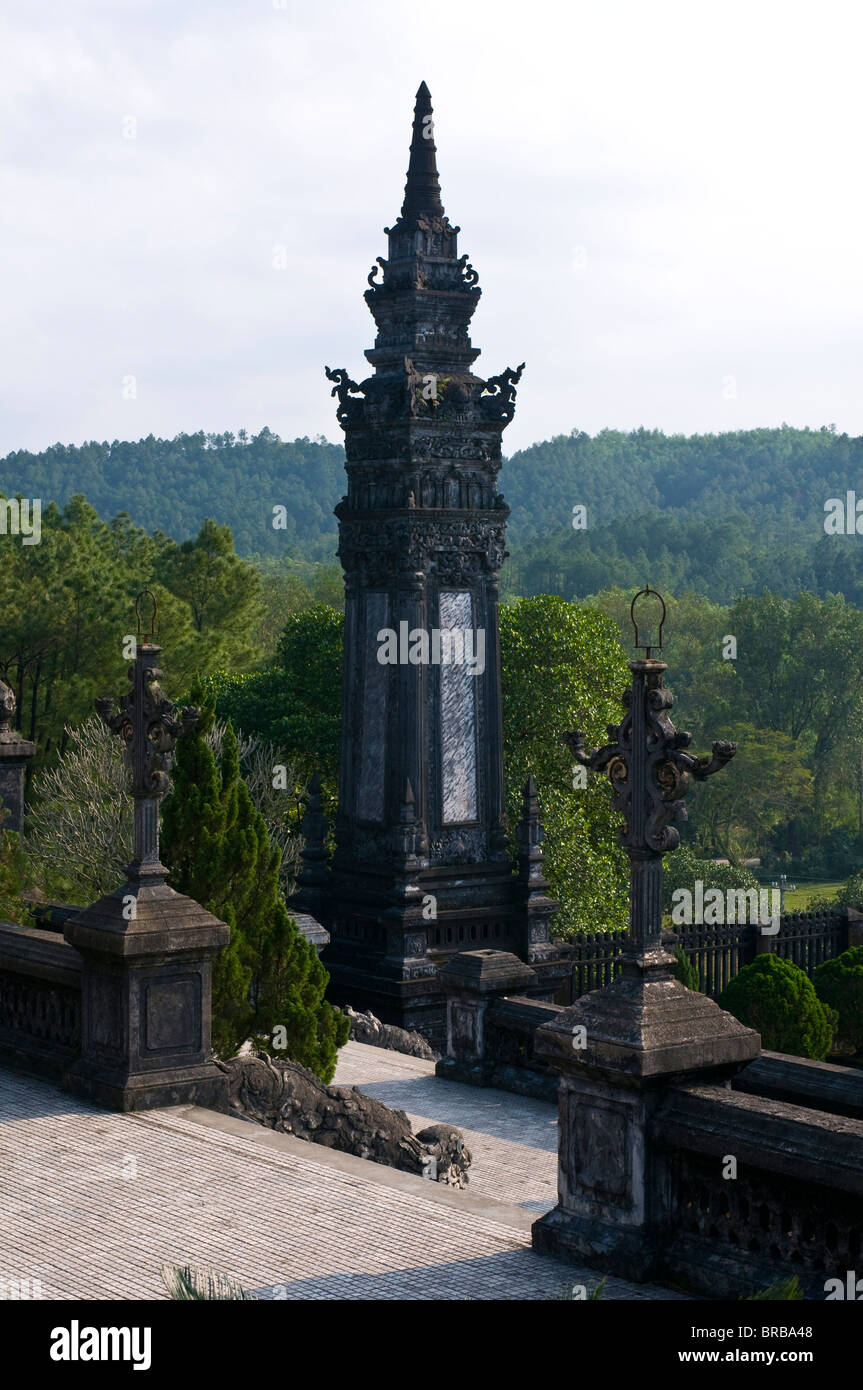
{"x":513,"y":1140}
{"x":92,"y":1203}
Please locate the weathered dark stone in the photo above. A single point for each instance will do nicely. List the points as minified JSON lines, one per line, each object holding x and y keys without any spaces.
{"x":421,"y":540}
{"x":309,"y":927}
{"x":15,"y":754}
{"x":793,"y":1204}
{"x":643,"y":1026}
{"x":40,"y":1000}
{"x":471,"y":980}
{"x":287,"y":1097}
{"x":799,"y":1081}
{"x":619,"y":1049}
{"x":365,"y":1028}
{"x":147,"y":951}
{"x":485,"y":973}
{"x":490,"y":1037}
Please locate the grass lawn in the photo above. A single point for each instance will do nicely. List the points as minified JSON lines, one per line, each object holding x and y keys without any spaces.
{"x":799,"y":900}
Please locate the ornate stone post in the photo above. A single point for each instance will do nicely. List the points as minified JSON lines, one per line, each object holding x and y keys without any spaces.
{"x":471,"y":982}
{"x":15,"y":754}
{"x":616,"y":1048}
{"x":421,"y":540}
{"x":536,"y":902}
{"x":147,"y":950}
{"x":313,"y":877}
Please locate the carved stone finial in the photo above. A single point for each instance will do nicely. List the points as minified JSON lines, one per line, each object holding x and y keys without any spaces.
{"x":8,"y":706}
{"x":650,"y":774}
{"x":533,"y":885}
{"x":350,"y":407}
{"x":530,"y":835}
{"x":149,"y":726}
{"x":499,"y":393}
{"x":422,"y":190}
{"x":15,"y":753}
{"x":314,"y":857}
{"x":314,"y":825}
{"x":409,"y":837}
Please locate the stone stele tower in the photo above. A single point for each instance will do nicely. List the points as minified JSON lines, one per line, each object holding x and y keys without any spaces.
{"x":421,"y":868}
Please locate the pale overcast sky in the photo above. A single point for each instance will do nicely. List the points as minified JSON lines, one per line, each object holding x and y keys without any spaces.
{"x":663,"y":202}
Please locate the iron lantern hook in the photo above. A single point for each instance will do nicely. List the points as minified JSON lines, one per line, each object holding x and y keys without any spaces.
{"x":642,"y":593}
{"x":146,"y":593}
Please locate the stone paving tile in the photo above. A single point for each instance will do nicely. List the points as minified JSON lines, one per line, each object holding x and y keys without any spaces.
{"x":513,"y":1139}
{"x":268,"y":1218}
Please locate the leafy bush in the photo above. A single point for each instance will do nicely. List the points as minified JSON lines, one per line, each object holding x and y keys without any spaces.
{"x":14,"y":879}
{"x":79,"y":830}
{"x":192,"y":1284}
{"x":851,"y":893}
{"x":778,"y":1000}
{"x":839,"y":984}
{"x":685,"y":971}
{"x":218,"y":851}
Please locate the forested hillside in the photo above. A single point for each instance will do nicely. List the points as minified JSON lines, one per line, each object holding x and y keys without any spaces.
{"x":717,"y":514}
{"x":759,"y":650}
{"x":172,"y":484}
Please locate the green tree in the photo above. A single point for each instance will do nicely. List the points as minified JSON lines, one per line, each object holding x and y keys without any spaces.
{"x":296,"y":702}
{"x":765,"y":784}
{"x":16,"y":878}
{"x":222,"y":591}
{"x":563,"y":668}
{"x":800,"y":672}
{"x":218,"y":852}
{"x":283,"y":592}
{"x":684,"y":970}
{"x":682,"y":868}
{"x":328,"y":586}
{"x":67,"y":604}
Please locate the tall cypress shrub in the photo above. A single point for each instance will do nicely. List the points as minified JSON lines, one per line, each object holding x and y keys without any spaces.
{"x":217,"y":850}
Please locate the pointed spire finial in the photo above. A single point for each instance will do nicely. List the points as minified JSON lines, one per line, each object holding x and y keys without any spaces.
{"x":408,"y":808}
{"x":313,"y":877}
{"x":422,"y":190}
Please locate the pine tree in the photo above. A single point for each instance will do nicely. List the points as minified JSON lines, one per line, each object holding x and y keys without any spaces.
{"x":15,"y":877}
{"x":217,"y":850}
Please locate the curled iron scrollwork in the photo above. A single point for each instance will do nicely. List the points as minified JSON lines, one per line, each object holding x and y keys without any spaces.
{"x":668,"y":770}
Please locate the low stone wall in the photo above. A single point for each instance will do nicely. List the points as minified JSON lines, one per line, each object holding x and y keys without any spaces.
{"x":509,"y":1060}
{"x":798,"y":1081}
{"x":792,"y":1202}
{"x":725,"y":1183}
{"x":40,"y":999}
{"x":52,"y":917}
